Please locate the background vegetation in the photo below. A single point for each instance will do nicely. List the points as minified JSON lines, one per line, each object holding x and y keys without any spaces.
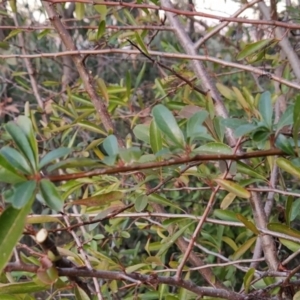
{"x":148,"y":154}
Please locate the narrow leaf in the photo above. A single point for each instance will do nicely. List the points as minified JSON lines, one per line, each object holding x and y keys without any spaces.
{"x":244,"y":248}
{"x":250,"y":225}
{"x":51,"y":195}
{"x":252,"y":48}
{"x":233,"y":187}
{"x":155,"y":137}
{"x":16,"y":159}
{"x":23,"y":192}
{"x":265,"y":108}
{"x":287,"y":166}
{"x":22,"y":142}
{"x":12,"y":223}
{"x":53,"y":155}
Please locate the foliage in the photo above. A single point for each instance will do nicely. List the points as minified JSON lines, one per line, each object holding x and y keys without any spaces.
{"x":127,"y":175}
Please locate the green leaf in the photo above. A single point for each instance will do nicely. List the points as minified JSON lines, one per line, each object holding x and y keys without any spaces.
{"x":227,"y":200}
{"x":110,"y":145}
{"x":248,"y":279}
{"x":12,"y":222}
{"x":101,"y":9}
{"x":26,"y":126}
{"x":53,"y":155}
{"x":278,"y":227}
{"x":233,"y":187}
{"x":141,"y":203}
{"x":170,"y":240}
{"x":161,"y":200}
{"x":90,"y":126}
{"x":101,"y":29}
{"x":141,"y":43}
{"x":79,"y":10}
{"x":288,"y":210}
{"x":23,"y":192}
{"x":167,"y":124}
{"x":225,"y":215}
{"x":22,"y":142}
{"x":295,"y":210}
{"x":80,"y":294}
{"x":16,"y":159}
{"x":155,"y":137}
{"x":293,"y":246}
{"x":286,"y":119}
{"x":250,"y":225}
{"x":7,"y":173}
{"x":244,"y":129}
{"x":287,"y":166}
{"x":246,"y":169}
{"x":213,"y":148}
{"x":284,"y":144}
{"x":51,"y":195}
{"x":141,"y":132}
{"x":194,"y":126}
{"x":252,"y":48}
{"x":265,"y":108}
{"x":80,"y":162}
{"x":245,"y":247}
{"x":21,"y":288}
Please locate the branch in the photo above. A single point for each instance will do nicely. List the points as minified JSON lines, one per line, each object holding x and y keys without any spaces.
{"x":152,"y":280}
{"x":283,"y":42}
{"x":87,"y":79}
{"x":182,"y":12}
{"x":170,"y":162}
{"x":159,"y":54}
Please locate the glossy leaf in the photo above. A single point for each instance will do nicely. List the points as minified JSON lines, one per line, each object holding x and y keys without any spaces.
{"x":26,"y":126}
{"x":284,"y":144}
{"x":22,"y":142}
{"x":288,"y":210}
{"x":286,"y":119}
{"x":21,"y":288}
{"x":250,"y":225}
{"x":265,"y":108}
{"x":287,"y":166}
{"x":23,"y":192}
{"x":12,"y":223}
{"x":7,"y":173}
{"x":51,"y":195}
{"x":252,"y":48}
{"x":284,"y":229}
{"x":167,"y":124}
{"x":246,"y":169}
{"x":228,"y":199}
{"x":194,"y":124}
{"x":155,"y":137}
{"x":248,"y":279}
{"x":233,"y":187}
{"x":213,"y":148}
{"x":53,"y":155}
{"x":244,"y":248}
{"x":16,"y":159}
{"x":225,"y":215}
